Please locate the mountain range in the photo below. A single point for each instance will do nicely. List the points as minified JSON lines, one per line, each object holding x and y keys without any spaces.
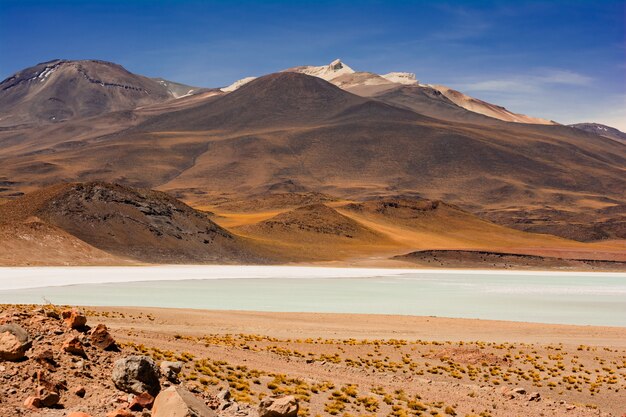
{"x":309,"y":130}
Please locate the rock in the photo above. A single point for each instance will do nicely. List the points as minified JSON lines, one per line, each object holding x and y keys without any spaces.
{"x":279,"y":406}
{"x":178,"y":402}
{"x":79,"y":391}
{"x":141,"y":401}
{"x":14,"y":342}
{"x":171,"y":370}
{"x":78,"y":414}
{"x":224,"y":395}
{"x":101,"y":338}
{"x":520,"y":391}
{"x":33,"y":403}
{"x":52,"y":314}
{"x":534,"y":396}
{"x":73,"y":319}
{"x":136,"y":374}
{"x":48,"y":397}
{"x":74,"y":346}
{"x":121,"y":412}
{"x":46,"y":358}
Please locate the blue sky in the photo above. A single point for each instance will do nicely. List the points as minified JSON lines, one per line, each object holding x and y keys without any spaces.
{"x":563,"y":60}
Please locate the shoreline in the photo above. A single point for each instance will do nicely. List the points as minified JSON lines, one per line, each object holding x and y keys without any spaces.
{"x":25,"y":277}
{"x":367,"y":326}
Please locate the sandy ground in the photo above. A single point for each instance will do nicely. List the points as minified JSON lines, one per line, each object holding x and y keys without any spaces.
{"x":400,"y":365}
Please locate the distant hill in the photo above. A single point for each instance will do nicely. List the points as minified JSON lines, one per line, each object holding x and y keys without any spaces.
{"x":602,"y":130}
{"x":61,"y":90}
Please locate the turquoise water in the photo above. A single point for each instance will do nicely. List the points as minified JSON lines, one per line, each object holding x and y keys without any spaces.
{"x":572,"y":298}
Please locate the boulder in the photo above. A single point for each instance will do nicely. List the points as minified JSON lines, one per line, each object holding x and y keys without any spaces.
{"x":171,"y":370}
{"x":141,"y":401}
{"x":101,"y":338}
{"x":73,"y":319}
{"x":178,"y":402}
{"x":279,"y":406}
{"x":74,"y":346}
{"x":136,"y":374}
{"x":14,"y":342}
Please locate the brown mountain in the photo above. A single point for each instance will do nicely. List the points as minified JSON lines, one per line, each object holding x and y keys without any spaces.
{"x":290,"y":128}
{"x":62,"y":90}
{"x":143,"y":225}
{"x":276,"y":101}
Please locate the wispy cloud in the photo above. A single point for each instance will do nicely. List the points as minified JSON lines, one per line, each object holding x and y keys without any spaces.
{"x":521,"y":83}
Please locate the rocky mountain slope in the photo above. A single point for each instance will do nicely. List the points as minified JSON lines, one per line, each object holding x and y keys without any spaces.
{"x":294,"y":129}
{"x":602,"y":130}
{"x":61,"y":90}
{"x":141,"y":225}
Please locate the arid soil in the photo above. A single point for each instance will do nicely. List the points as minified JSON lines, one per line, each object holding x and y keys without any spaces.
{"x":98,"y":223}
{"x":346,"y":365}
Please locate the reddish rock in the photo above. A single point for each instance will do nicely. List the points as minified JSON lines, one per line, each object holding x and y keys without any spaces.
{"x":120,"y":412}
{"x":33,"y":403}
{"x":46,"y":358}
{"x":101,"y":338}
{"x":74,"y":346}
{"x":141,"y":401}
{"x":279,"y":406}
{"x":48,"y":398}
{"x":78,"y":414}
{"x":74,"y":319}
{"x":14,"y":342}
{"x":177,"y":401}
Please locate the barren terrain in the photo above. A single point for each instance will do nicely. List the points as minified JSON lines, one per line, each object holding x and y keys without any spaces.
{"x":355,"y":364}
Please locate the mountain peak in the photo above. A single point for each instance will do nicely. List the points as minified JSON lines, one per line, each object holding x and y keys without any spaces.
{"x":325,"y":72}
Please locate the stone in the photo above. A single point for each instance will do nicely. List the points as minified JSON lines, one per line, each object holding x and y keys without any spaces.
{"x":33,"y":403}
{"x":79,"y":391}
{"x":279,"y":406}
{"x":120,"y":412}
{"x":534,"y":396}
{"x":520,"y":391}
{"x":74,"y":346}
{"x":46,"y":358}
{"x":48,"y":397}
{"x":171,"y":370}
{"x":101,"y":338}
{"x":178,"y":402}
{"x":136,"y":374}
{"x":73,"y":319}
{"x":141,"y":401}
{"x":78,"y":414}
{"x":224,"y":395}
{"x":14,"y":342}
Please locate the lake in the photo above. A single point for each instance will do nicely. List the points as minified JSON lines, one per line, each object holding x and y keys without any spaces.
{"x":545,"y":297}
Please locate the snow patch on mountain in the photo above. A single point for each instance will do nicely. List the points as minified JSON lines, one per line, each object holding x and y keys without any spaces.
{"x":234,"y":86}
{"x":407,"y":78}
{"x":325,"y":72}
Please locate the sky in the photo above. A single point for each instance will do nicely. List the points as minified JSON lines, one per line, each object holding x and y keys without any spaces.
{"x":560,"y":60}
